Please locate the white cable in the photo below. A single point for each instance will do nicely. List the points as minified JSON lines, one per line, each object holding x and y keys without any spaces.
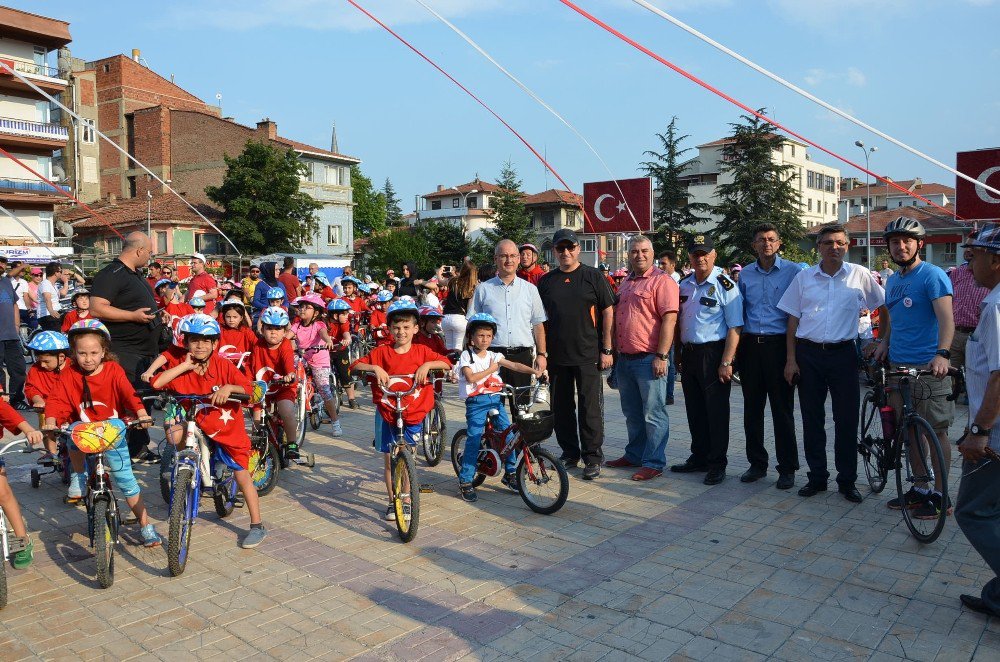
{"x":111,"y":142}
{"x":833,"y":109}
{"x":30,"y":231}
{"x":534,"y":96}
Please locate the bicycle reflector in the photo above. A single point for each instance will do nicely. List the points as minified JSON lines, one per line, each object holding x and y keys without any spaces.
{"x":258,"y":392}
{"x":97,"y":436}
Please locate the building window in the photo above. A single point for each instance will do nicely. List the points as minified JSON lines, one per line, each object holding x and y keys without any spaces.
{"x":114,"y":245}
{"x":454,"y":203}
{"x":548,"y":219}
{"x":946,"y":255}
{"x":45,"y":225}
{"x":810,"y":179}
{"x":570,"y":218}
{"x":208,"y":242}
{"x":130,"y":135}
{"x":810,"y":205}
{"x":588,"y":245}
{"x":472,"y":203}
{"x":825,"y":209}
{"x":131,"y":186}
{"x":332,"y":175}
{"x":830,"y":184}
{"x":88,"y":132}
{"x":333,"y":235}
{"x":107,"y":68}
{"x":435,"y":204}
{"x":793,"y":150}
{"x":161,"y":242}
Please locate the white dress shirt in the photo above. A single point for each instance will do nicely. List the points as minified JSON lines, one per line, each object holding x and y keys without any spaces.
{"x":828,"y":307}
{"x":982,"y":358}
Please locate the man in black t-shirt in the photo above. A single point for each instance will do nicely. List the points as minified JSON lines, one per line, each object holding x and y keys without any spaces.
{"x":123,"y":300}
{"x":579,"y":305}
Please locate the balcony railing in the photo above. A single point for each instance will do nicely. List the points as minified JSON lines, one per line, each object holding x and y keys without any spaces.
{"x":35,"y":69}
{"x":28,"y":186}
{"x":16,"y":127}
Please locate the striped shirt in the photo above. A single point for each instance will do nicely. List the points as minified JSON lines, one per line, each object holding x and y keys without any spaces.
{"x":982,"y":358}
{"x":968,"y":296}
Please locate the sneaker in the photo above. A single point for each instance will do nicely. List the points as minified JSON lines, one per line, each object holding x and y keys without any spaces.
{"x":146,"y":456}
{"x":336,"y":430}
{"x":468,"y":492}
{"x":150,"y":538}
{"x":591,"y":471}
{"x":46,"y":459}
{"x":390,"y":513}
{"x":254,"y":537}
{"x":292,"y":451}
{"x":931,"y":506}
{"x":353,"y":404}
{"x":23,"y":557}
{"x":406,"y":512}
{"x":913,"y":498}
{"x":510,"y":480}
{"x":570,"y":463}
{"x":76,"y":484}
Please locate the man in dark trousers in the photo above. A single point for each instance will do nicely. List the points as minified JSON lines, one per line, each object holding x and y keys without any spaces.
{"x":579,"y":305}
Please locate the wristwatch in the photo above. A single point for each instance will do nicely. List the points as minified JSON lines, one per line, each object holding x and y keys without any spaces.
{"x":663,"y":357}
{"x":542,"y":354}
{"x":977,"y":431}
{"x":944,"y":353}
{"x":726,"y":364}
{"x":607,"y":352}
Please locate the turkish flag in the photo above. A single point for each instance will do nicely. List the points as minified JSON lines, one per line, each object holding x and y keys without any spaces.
{"x":608,"y":206}
{"x":975,"y":203}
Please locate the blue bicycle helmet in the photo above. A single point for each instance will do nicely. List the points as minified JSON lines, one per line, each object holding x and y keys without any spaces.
{"x":49,"y":341}
{"x":385,"y":296}
{"x":274,"y":316}
{"x":401,"y":306}
{"x":321,"y":278}
{"x":199,"y":325}
{"x":197,"y":302}
{"x":364,"y":288}
{"x":275,"y":293}
{"x":481,"y":319}
{"x":339,"y":306}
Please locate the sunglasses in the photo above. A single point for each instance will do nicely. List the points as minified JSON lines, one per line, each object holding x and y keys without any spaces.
{"x":565,"y":248}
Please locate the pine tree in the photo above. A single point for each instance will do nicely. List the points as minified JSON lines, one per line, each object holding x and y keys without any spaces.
{"x":510,"y":219}
{"x":449,"y":242}
{"x":673,"y":215}
{"x":761,"y":190}
{"x":393,"y":210}
{"x":369,"y":205}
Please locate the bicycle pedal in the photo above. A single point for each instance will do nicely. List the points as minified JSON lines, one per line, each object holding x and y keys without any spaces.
{"x":239,"y":502}
{"x":130,"y":520}
{"x":426,"y":488}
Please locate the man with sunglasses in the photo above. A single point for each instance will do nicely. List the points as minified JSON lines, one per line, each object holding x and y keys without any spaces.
{"x":249,"y":284}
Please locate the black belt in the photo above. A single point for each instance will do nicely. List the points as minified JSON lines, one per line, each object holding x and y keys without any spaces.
{"x":689,"y":346}
{"x":511,"y":350}
{"x":762,"y":339}
{"x":965,"y":329}
{"x":637,"y":355}
{"x":827,"y":345}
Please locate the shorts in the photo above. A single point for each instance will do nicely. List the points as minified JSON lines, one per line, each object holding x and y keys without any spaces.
{"x":237,"y":459}
{"x":388,"y":436}
{"x":321,"y":380}
{"x":341,"y":361}
{"x":930,"y":400}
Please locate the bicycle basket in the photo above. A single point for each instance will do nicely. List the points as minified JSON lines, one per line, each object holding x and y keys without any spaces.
{"x":536,"y":426}
{"x":257,"y":393}
{"x":97,"y":436}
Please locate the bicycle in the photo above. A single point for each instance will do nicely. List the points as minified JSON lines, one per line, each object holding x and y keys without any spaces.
{"x":536,"y":467}
{"x":57,"y":464}
{"x":405,"y":485}
{"x":7,"y":546}
{"x":270,"y":434}
{"x":197,"y":468}
{"x":309,"y":403}
{"x":886,"y":444}
{"x":434,"y":428}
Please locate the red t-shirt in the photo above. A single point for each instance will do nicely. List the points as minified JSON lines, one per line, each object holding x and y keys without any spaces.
{"x":356,"y":303}
{"x":337,"y":331}
{"x":421,"y":400}
{"x":532,"y":275}
{"x":9,"y":418}
{"x":292,"y":285}
{"x":72,"y":317}
{"x":237,"y":340}
{"x":177,"y":311}
{"x":223,"y":424}
{"x":40,"y":382}
{"x":433,"y":342}
{"x":206,"y":283}
{"x":174,"y":356}
{"x":377,"y":318}
{"x":327,"y":293}
{"x":111,"y":395}
{"x":270,"y":363}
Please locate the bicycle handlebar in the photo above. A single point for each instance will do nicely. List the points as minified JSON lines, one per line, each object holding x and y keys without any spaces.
{"x":235,"y":397}
{"x":957,"y":374}
{"x":17,"y":442}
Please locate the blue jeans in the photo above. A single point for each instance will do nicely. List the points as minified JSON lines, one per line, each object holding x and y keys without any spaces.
{"x":644,"y":404}
{"x":671,"y":375}
{"x":119,"y":464}
{"x":476,"y":409}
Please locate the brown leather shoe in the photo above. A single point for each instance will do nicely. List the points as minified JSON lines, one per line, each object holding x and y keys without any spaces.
{"x":620,"y":463}
{"x":646,"y":473}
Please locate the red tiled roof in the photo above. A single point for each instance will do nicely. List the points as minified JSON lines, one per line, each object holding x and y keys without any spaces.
{"x":554,"y":196}
{"x":909,"y":184}
{"x":929,"y":217}
{"x":474,"y":185}
{"x":132,"y":211}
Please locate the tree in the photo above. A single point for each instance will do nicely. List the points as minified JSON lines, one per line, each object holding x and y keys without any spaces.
{"x":369,"y":204}
{"x":510,"y":218}
{"x":761,"y":190}
{"x":673,"y":215}
{"x":390,"y":249}
{"x":393,"y":212}
{"x":265,"y":212}
{"x":448,"y":240}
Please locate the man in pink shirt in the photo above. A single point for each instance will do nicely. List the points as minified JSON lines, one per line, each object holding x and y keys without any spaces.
{"x":645,"y":318}
{"x":965,"y":307}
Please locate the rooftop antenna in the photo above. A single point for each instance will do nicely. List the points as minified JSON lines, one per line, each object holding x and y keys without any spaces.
{"x":218,"y":98}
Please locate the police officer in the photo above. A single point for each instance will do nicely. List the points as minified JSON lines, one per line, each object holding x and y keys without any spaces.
{"x":711,"y":318}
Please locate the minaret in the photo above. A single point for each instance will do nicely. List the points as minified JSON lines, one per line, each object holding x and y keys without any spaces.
{"x":333,"y":140}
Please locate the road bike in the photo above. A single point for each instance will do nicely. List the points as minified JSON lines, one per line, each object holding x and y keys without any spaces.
{"x":542,"y":480}
{"x":403,"y":468}
{"x":8,"y":543}
{"x":197,"y":468}
{"x":906,"y":445}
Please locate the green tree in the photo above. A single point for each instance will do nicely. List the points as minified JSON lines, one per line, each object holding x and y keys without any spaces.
{"x":510,"y":218}
{"x":761,"y":190}
{"x":390,"y":249}
{"x":264,"y":210}
{"x":448,"y":240}
{"x":393,"y":210}
{"x":369,"y":205}
{"x":673,"y":215}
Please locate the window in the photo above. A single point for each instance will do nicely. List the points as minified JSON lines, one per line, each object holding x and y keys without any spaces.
{"x":548,"y":219}
{"x":587,"y":245}
{"x":825,"y":209}
{"x":472,"y":203}
{"x":810,"y":179}
{"x":114,"y":245}
{"x":829,"y":184}
{"x":332,"y":175}
{"x":435,"y":204}
{"x":570,"y":218}
{"x":45,"y":225}
{"x":946,"y":255}
{"x":793,"y":149}
{"x":130,"y":134}
{"x":161,"y":242}
{"x":90,"y":169}
{"x":107,"y":68}
{"x":810,"y":206}
{"x":454,"y":203}
{"x":333,"y":235}
{"x":209,"y":242}
{"x":131,"y":186}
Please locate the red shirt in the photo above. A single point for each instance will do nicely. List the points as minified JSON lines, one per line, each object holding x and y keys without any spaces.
{"x":327,"y":293}
{"x":356,"y":303}
{"x":421,"y":400}
{"x":177,"y":311}
{"x":292,"y":285}
{"x":532,"y":275}
{"x":206,"y":283}
{"x":337,"y":331}
{"x":377,"y":318}
{"x":968,"y":295}
{"x":72,"y":317}
{"x":111,"y":395}
{"x":432,"y":342}
{"x":40,"y":382}
{"x":237,"y":340}
{"x":270,"y":363}
{"x":174,"y":356}
{"x":9,"y":418}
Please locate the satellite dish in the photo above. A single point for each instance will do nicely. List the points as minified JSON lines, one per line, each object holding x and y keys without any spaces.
{"x":58,"y":173}
{"x":65,"y":228}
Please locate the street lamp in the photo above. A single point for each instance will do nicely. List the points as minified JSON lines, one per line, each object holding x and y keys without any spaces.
{"x":868,"y":190}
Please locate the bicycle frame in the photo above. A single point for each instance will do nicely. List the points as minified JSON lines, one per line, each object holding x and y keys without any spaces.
{"x":5,"y":547}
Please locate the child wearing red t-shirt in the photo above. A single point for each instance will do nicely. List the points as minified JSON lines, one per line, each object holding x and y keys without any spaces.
{"x":339,"y":329}
{"x":204,"y":371}
{"x":12,"y":421}
{"x":237,"y":339}
{"x":43,"y":375}
{"x":430,"y":336}
{"x":80,"y":310}
{"x":404,"y":358}
{"x":274,"y":358}
{"x":93,"y":387}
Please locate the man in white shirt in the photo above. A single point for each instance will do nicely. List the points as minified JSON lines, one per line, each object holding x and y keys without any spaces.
{"x":49,"y":292}
{"x":823,"y":304}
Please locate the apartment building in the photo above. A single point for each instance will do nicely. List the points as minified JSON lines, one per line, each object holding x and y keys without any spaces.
{"x":465,"y":204}
{"x":854,"y":196}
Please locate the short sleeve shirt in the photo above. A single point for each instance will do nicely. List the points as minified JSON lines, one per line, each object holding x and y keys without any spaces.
{"x":829,"y":307}
{"x":517,"y":308}
{"x":709,"y":308}
{"x":43,"y":310}
{"x":206,"y":283}
{"x":488,"y":385}
{"x":909,"y":298}
{"x":291,"y":283}
{"x":982,"y":358}
{"x":8,"y":301}
{"x":573,"y":304}
{"x":127,"y":290}
{"x":643,"y":300}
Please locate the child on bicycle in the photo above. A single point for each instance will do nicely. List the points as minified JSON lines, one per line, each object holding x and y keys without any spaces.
{"x":204,"y":371}
{"x":403,"y":358}
{"x":339,"y":329}
{"x":80,"y":311}
{"x":93,"y":387}
{"x":480,"y":384}
{"x":351,"y":287}
{"x":274,"y":358}
{"x":309,"y":332}
{"x":237,"y":338}
{"x":12,"y":421}
{"x":50,"y":349}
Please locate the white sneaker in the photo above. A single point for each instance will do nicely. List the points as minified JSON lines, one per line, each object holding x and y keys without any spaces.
{"x":336,"y":429}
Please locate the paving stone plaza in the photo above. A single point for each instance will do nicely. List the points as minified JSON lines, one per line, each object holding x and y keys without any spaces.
{"x":667,"y":569}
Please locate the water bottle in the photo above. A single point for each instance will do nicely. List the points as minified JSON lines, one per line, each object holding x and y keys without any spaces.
{"x":888,"y":422}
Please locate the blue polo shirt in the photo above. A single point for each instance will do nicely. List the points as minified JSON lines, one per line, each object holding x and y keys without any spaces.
{"x":761,"y":292}
{"x":909,"y":298}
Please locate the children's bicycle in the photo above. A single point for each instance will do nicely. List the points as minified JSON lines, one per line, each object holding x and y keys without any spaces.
{"x":272,"y":432}
{"x":197,"y":468}
{"x":403,"y":468}
{"x":309,"y":403}
{"x":542,"y":480}
{"x":57,"y":464}
{"x":435,"y":425}
{"x":8,"y":544}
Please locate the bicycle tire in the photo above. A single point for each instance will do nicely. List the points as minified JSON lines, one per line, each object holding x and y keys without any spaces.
{"x":264,"y":465}
{"x":872,"y":445}
{"x":36,"y":478}
{"x":315,"y":410}
{"x":544,"y":465}
{"x":403,"y":466}
{"x":3,"y":565}
{"x":457,"y":448}
{"x":167,"y":471}
{"x":432,"y":436}
{"x":300,"y":415}
{"x":919,"y":426}
{"x":223,"y":500}
{"x":181,"y":509}
{"x":104,"y":544}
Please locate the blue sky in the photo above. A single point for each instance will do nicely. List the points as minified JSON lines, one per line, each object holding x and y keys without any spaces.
{"x":924,"y":71}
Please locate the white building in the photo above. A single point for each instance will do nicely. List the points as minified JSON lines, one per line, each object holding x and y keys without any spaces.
{"x":883,"y":196}
{"x":817,"y":184}
{"x":26,"y":127}
{"x":466,"y":204}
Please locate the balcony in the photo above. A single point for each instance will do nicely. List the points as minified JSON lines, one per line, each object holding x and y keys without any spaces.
{"x":42,"y":75}
{"x":450,"y":212}
{"x":34,"y":191}
{"x":43,"y":135}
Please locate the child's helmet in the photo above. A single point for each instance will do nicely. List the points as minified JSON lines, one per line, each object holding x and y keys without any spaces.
{"x":400,"y":307}
{"x":198,"y":325}
{"x":384,"y":296}
{"x":274,"y":316}
{"x":79,"y":292}
{"x":231,"y":303}
{"x":481,"y":319}
{"x":88,"y":326}
{"x":160,"y":283}
{"x":364,"y":288}
{"x":321,"y":278}
{"x":49,"y":341}
{"x":430,"y":311}
{"x":197,"y":302}
{"x":339,"y":306}
{"x":275,"y":293}
{"x":312,"y":300}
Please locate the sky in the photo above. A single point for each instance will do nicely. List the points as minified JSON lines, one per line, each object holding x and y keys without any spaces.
{"x":926,"y":72}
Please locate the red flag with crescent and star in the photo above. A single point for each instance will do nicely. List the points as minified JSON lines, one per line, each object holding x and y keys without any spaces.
{"x":625,"y":205}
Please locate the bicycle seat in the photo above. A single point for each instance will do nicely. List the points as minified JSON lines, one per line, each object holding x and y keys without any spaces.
{"x":494,"y":412}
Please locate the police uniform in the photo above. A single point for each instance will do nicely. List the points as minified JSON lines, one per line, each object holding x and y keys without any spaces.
{"x":708,"y":309}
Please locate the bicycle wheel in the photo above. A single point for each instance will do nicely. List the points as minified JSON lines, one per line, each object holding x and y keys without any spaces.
{"x":104,"y":543}
{"x":181,"y":519}
{"x":919,"y":468}
{"x":457,"y":449}
{"x":3,"y":566}
{"x":405,"y":486}
{"x":872,"y":444}
{"x":315,"y":409}
{"x":542,"y":481}
{"x":264,"y":464}
{"x":300,"y":414}
{"x":166,"y":470}
{"x":432,"y":436}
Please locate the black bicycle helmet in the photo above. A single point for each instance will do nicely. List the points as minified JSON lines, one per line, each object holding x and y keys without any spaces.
{"x":904,"y":226}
